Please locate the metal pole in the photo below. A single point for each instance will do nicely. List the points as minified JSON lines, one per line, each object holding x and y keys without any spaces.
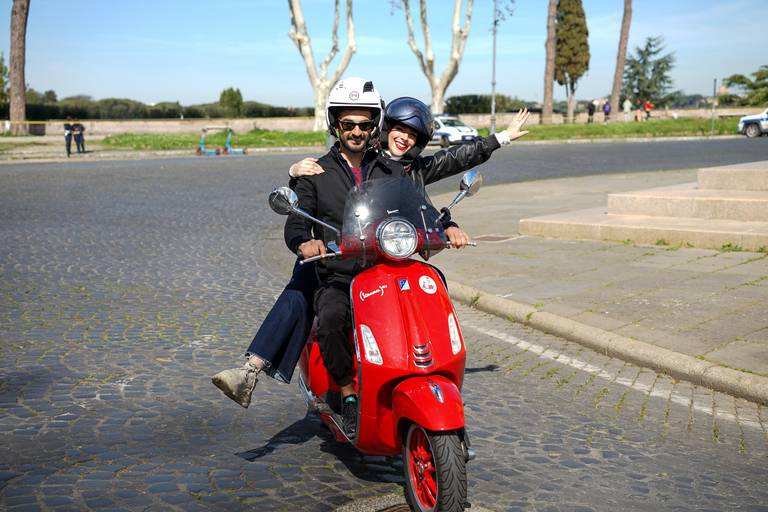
{"x":714,"y":100}
{"x":493,"y":79}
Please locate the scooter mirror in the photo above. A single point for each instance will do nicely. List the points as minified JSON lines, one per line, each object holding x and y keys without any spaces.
{"x":283,"y":200}
{"x":471,"y":183}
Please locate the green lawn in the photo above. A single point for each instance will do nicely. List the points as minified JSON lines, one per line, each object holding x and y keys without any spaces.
{"x":253,"y":139}
{"x":687,"y":126}
{"x":266,"y":138}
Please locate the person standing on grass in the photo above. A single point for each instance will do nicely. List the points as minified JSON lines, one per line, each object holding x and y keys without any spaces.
{"x":68,"y":134}
{"x":607,"y":110}
{"x":627,"y":106}
{"x":78,"y":129}
{"x":648,"y":108}
{"x":590,"y":111}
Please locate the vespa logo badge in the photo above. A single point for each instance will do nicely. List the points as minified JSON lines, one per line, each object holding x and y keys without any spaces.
{"x":436,"y":390}
{"x":403,"y":284}
{"x":427,"y":284}
{"x":364,"y":295}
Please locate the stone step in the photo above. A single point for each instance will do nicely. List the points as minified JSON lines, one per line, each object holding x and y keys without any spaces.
{"x":749,"y":176}
{"x":688,"y":201}
{"x":598,"y":224}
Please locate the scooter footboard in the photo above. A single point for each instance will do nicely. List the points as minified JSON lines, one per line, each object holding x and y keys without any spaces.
{"x":434,"y":402}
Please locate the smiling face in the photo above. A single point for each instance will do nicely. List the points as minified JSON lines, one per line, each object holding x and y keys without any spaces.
{"x":401,"y":139}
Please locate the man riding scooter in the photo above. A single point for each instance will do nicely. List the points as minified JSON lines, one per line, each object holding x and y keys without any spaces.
{"x":354,"y":115}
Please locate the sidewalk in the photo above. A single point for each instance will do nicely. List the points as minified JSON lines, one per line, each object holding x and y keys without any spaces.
{"x":698,"y":315}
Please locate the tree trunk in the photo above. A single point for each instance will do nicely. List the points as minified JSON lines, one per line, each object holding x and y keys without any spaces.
{"x":321,"y":83}
{"x":571,"y":90}
{"x":321,"y":98}
{"x":549,"y":69}
{"x":19,"y":13}
{"x":459,"y":40}
{"x":618,"y":77}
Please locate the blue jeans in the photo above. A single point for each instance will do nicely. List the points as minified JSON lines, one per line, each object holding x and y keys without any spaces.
{"x":285,"y":330}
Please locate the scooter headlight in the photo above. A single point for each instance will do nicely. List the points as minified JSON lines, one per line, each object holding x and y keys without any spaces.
{"x":372,"y":353}
{"x":397,"y":238}
{"x":453,"y":329}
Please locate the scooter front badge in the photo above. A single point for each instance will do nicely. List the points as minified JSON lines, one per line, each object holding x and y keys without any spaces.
{"x":427,"y":284}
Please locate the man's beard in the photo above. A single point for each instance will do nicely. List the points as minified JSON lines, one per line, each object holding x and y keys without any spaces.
{"x":344,"y":141}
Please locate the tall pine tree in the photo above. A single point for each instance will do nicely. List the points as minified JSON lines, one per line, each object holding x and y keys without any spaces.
{"x":572,"y":48}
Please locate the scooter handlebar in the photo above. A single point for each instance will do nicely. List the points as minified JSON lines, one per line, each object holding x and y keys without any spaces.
{"x":330,"y":254}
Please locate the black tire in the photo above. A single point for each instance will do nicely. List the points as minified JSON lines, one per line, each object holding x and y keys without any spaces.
{"x":444,"y":142}
{"x":245,"y":151}
{"x":435,"y":470}
{"x":752,"y":130}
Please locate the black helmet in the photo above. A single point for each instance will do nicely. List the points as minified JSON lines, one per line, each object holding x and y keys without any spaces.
{"x":414,"y":114}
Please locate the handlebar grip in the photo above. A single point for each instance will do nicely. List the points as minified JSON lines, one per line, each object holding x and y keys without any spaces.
{"x":473,"y":244}
{"x":329,"y":255}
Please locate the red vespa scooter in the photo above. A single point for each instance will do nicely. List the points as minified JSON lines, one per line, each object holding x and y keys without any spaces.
{"x":409,"y":350}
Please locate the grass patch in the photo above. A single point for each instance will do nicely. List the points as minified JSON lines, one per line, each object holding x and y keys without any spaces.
{"x":253,"y":139}
{"x":685,"y":126}
{"x":730,"y":248}
{"x":259,"y":138}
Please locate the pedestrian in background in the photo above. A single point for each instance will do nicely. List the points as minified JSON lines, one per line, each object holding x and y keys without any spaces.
{"x":78,"y":130}
{"x":627,"y":106}
{"x":590,"y":111}
{"x":639,"y":113}
{"x":68,"y":134}
{"x":648,"y":108}
{"x":607,"y":110}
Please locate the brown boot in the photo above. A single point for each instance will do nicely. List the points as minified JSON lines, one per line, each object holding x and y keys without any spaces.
{"x":238,"y":383}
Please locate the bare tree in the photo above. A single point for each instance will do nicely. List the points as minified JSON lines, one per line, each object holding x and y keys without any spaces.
{"x":621,"y":59}
{"x":427,"y":59}
{"x":321,"y":83}
{"x":549,"y":69}
{"x":19,"y":13}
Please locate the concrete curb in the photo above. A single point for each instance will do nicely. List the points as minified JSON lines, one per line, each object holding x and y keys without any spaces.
{"x":680,"y":366}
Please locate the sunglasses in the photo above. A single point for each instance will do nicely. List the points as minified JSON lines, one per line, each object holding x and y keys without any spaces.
{"x":348,"y":126}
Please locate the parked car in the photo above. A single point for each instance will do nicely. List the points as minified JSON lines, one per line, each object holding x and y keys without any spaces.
{"x":754,"y":125}
{"x":450,"y":130}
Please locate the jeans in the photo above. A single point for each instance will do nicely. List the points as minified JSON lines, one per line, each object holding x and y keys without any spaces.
{"x":281,"y":338}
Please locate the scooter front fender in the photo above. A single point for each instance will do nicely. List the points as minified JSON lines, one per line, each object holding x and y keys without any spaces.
{"x":433,"y":401}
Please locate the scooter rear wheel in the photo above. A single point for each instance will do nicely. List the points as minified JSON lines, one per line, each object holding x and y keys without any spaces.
{"x":435,"y":470}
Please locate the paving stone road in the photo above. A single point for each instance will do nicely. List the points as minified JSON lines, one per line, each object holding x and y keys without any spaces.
{"x":125,"y":286}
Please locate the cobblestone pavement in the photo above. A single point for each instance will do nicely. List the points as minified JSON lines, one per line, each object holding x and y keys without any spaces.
{"x":123,"y":288}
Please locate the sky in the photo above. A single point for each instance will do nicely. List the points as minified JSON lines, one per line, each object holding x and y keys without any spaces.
{"x":191,"y":50}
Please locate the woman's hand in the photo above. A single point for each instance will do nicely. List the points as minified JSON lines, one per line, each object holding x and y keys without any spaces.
{"x":457,"y":236}
{"x":513,"y":130}
{"x":306,"y":167}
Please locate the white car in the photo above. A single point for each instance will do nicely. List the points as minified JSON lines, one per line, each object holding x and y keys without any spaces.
{"x":450,"y":130}
{"x":754,"y":125}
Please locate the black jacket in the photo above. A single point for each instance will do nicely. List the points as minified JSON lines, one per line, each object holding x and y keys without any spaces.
{"x":323,"y":196}
{"x":448,"y":162}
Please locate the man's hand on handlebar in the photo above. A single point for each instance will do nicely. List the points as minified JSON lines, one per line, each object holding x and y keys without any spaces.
{"x":313,"y":248}
{"x":458,"y":237}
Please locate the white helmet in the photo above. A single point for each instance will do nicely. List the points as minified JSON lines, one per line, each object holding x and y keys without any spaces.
{"x":354,"y":93}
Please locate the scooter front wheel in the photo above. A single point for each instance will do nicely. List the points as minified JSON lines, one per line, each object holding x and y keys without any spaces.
{"x":435,"y":470}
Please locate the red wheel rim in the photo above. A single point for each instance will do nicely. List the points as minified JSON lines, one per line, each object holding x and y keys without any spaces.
{"x":422,"y":468}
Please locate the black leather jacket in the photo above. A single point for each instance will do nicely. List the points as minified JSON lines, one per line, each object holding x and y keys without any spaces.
{"x":448,"y":162}
{"x":323,"y":196}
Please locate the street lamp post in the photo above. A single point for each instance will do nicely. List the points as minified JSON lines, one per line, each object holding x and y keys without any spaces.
{"x":493,"y":78}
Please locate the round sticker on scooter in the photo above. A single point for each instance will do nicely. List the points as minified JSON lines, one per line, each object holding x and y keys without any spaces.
{"x":427,"y":284}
